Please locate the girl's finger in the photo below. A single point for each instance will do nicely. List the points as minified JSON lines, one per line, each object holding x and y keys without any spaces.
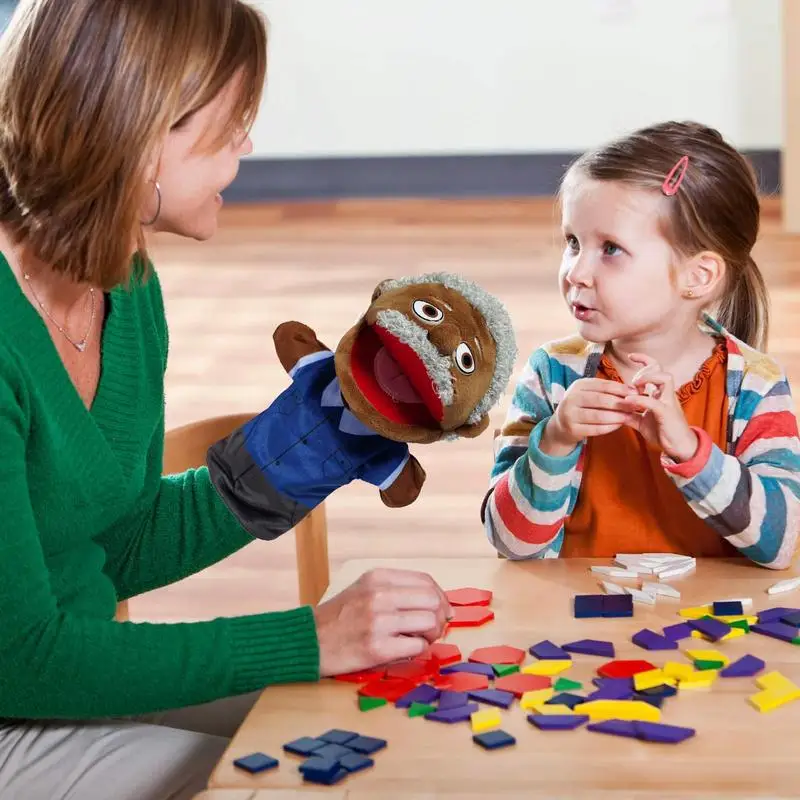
{"x":645,"y":403}
{"x":662,"y":382}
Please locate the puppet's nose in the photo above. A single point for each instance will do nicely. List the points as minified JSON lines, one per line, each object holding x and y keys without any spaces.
{"x":446,"y":337}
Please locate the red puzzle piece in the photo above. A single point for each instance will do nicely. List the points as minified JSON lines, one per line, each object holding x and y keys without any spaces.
{"x":503,"y":654}
{"x":624,"y":669}
{"x":361,"y":677}
{"x":469,"y":597}
{"x":461,"y":682}
{"x":470,"y":616}
{"x":390,"y":689}
{"x":443,"y":654}
{"x":413,"y":670}
{"x":520,"y":683}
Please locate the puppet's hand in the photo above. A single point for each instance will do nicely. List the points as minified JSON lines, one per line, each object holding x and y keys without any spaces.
{"x":293,"y":340}
{"x":406,"y":488}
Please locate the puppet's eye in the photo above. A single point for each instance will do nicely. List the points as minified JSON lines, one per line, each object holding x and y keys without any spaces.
{"x":427,"y":311}
{"x":465,"y":361}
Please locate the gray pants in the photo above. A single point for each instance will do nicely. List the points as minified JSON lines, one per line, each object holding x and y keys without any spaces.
{"x":164,"y":756}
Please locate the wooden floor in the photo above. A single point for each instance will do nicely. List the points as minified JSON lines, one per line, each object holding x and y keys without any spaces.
{"x":318,"y":263}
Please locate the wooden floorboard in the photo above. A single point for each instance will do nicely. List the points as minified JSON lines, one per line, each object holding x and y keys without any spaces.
{"x":318,"y":263}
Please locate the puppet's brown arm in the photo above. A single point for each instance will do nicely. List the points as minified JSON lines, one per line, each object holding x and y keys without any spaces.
{"x":293,"y":340}
{"x":406,"y":487}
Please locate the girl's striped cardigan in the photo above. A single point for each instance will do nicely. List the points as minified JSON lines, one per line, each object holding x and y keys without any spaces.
{"x":749,"y":494}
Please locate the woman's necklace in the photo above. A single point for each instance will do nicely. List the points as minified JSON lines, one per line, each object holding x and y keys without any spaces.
{"x":80,"y":346}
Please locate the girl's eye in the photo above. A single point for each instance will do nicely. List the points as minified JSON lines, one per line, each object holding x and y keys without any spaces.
{"x":611,"y":249}
{"x":572,"y":243}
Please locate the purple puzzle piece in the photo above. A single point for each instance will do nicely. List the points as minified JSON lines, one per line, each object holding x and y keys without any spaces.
{"x":547,"y":651}
{"x":591,"y":647}
{"x":777,"y":630}
{"x":774,"y":614}
{"x":792,"y":619}
{"x":745,"y":667}
{"x":683,"y":630}
{"x":460,"y":714}
{"x":616,"y":727}
{"x":617,"y":605}
{"x":468,"y":666}
{"x":658,"y":732}
{"x":449,"y":699}
{"x":493,"y":697}
{"x":650,"y":640}
{"x":557,"y":722}
{"x":422,"y":694}
{"x":714,"y":629}
{"x":612,"y":691}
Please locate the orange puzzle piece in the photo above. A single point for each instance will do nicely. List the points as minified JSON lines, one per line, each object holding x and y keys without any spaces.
{"x":469,"y":597}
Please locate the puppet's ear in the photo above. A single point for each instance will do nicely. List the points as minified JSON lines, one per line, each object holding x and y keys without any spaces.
{"x":379,"y":290}
{"x":473,"y":430}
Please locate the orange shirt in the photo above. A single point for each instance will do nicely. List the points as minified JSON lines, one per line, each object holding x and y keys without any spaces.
{"x":627,"y":503}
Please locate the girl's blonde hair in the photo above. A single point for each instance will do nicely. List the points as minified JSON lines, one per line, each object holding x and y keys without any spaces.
{"x":716,"y":208}
{"x":89,"y":89}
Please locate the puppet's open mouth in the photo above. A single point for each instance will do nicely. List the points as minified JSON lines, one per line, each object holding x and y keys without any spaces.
{"x":393,"y":379}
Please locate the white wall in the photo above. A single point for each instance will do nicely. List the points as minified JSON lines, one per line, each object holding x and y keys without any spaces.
{"x":378,"y":77}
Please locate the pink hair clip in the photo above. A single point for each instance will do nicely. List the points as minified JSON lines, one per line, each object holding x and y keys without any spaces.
{"x":675,"y":178}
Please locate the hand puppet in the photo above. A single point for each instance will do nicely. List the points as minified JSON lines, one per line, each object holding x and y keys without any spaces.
{"x":426,"y":362}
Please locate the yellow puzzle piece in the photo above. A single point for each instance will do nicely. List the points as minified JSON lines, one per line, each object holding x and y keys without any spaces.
{"x":553,"y":710}
{"x":675,"y":669}
{"x":651,"y":678}
{"x":486,"y":719}
{"x":700,"y":679}
{"x":776,"y":682}
{"x":769,"y":700}
{"x":531,"y":701}
{"x":629,"y":710}
{"x":548,"y":668}
{"x":708,"y":655}
{"x":696,"y":612}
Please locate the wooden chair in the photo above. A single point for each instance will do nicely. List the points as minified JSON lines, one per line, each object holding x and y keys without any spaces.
{"x":186,"y":447}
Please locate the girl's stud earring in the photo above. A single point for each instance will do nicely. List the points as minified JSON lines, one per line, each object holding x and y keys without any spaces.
{"x":688,"y":293}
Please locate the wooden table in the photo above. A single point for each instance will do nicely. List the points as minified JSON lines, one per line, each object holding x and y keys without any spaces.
{"x":737,"y":751}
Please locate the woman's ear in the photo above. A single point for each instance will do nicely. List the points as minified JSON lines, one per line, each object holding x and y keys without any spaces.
{"x":703,"y":276}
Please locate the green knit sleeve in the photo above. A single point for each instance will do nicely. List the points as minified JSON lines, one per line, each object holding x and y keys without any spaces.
{"x":60,"y":662}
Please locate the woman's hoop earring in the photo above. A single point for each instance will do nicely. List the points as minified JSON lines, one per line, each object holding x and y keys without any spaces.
{"x":158,"y":209}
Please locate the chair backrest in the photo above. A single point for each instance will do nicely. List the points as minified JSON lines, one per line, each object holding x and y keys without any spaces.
{"x":186,"y":447}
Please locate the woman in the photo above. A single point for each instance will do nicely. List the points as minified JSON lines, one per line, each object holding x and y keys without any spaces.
{"x":117,"y":117}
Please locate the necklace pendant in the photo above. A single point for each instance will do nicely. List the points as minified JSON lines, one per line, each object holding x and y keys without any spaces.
{"x":81,"y":346}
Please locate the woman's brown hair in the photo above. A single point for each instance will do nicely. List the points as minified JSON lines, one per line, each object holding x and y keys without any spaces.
{"x":89,"y":89}
{"x":715,"y":209}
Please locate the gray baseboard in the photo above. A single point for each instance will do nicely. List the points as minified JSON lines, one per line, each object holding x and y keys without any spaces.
{"x":513,"y":175}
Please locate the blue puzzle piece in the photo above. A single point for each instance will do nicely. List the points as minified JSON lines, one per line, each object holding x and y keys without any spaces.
{"x":615,"y":727}
{"x":319,"y":769}
{"x":333,"y":751}
{"x":492,"y":740}
{"x":557,"y":722}
{"x":588,"y":606}
{"x":566,"y":699}
{"x":458,"y":714}
{"x":422,"y":694}
{"x":664,"y":690}
{"x":617,"y":605}
{"x":468,"y":666}
{"x":326,"y":780}
{"x":777,"y":630}
{"x":774,"y":614}
{"x":304,"y":746}
{"x":493,"y":697}
{"x":728,"y":608}
{"x":712,"y":628}
{"x":683,"y":630}
{"x":256,"y":762}
{"x":650,"y":640}
{"x":547,"y":651}
{"x":355,"y":762}
{"x":366,"y":744}
{"x":337,"y":736}
{"x":449,"y":699}
{"x":591,"y":647}
{"x":665,"y":734}
{"x":746,"y":667}
{"x":653,"y":701}
{"x":792,"y":619}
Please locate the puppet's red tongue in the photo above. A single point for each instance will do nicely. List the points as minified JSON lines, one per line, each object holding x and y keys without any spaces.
{"x":393,"y":380}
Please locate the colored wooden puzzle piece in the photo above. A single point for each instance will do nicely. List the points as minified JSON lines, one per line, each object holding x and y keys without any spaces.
{"x":494,"y":740}
{"x":777,"y":630}
{"x":547,"y":668}
{"x":443,"y":654}
{"x":746,"y":667}
{"x":566,"y":722}
{"x":556,"y":709}
{"x":547,"y":651}
{"x":624,"y":669}
{"x":332,"y":751}
{"x":612,"y":689}
{"x":519,"y":684}
{"x":485,"y":720}
{"x":493,"y":697}
{"x":370,"y":703}
{"x":710,"y":627}
{"x":466,"y":666}
{"x":774,"y":614}
{"x":367,"y":744}
{"x":325,"y":771}
{"x":420,"y":694}
{"x":461,"y":682}
{"x":505,"y":669}
{"x":683,"y":630}
{"x":412,"y":670}
{"x":678,"y":670}
{"x":647,"y":680}
{"x":566,"y":685}
{"x":468,"y":596}
{"x":791,"y":619}
{"x":664,"y":734}
{"x":708,"y":655}
{"x":662,"y":690}
{"x":788,"y":585}
{"x":727,"y":608}
{"x":591,"y":647}
{"x":566,"y":699}
{"x":450,"y":699}
{"x":355,"y":762}
{"x":304,"y":746}
{"x":588,"y":606}
{"x":470,"y":616}
{"x":502,"y":654}
{"x":696,"y":612}
{"x":531,"y":701}
{"x":631,"y":710}
{"x":452,"y":715}
{"x":391,"y":689}
{"x":617,"y":606}
{"x":363,"y":676}
{"x":650,"y":640}
{"x":338,"y":736}
{"x":699,"y":679}
{"x":420,"y":709}
{"x":614,"y":727}
{"x":256,"y":762}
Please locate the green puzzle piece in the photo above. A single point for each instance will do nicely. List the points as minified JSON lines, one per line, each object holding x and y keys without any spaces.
{"x":565,"y":684}
{"x":702,"y":665}
{"x":420,"y":709}
{"x":741,"y":623}
{"x":505,"y":669}
{"x":368,"y":703}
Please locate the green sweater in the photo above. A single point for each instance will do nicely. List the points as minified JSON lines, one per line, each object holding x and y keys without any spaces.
{"x":86,"y":520}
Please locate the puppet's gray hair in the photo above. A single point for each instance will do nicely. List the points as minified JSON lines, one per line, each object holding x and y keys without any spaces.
{"x":497,"y":320}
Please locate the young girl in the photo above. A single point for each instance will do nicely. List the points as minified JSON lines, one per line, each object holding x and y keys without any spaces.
{"x":660,"y":426}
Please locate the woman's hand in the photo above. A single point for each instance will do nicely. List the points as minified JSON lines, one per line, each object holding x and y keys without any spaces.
{"x":656,"y":412}
{"x":385,"y":616}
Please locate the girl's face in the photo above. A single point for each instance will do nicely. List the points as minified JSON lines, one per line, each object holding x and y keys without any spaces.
{"x":191,"y":177}
{"x":617,"y":271}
